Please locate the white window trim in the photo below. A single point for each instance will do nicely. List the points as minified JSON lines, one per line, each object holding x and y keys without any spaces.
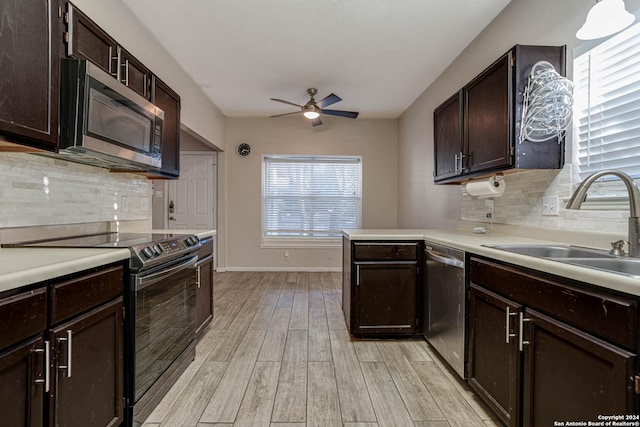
{"x":275,"y":242}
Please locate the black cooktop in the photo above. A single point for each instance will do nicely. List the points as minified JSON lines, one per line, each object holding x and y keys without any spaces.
{"x":107,"y":240}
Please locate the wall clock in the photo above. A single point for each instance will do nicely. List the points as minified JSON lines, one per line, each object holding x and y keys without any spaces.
{"x":243,"y":149}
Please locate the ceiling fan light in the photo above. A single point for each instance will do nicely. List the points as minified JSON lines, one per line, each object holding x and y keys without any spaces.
{"x":606,"y":17}
{"x":311,"y":114}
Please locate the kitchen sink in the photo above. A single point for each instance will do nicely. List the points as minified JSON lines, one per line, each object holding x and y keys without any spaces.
{"x":585,"y":257}
{"x":554,"y":251}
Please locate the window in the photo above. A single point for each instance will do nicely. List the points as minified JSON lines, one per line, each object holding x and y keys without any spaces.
{"x":607,"y":110}
{"x":310,"y":197}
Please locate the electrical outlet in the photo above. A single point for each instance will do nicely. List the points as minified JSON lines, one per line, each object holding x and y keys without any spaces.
{"x":125,"y":204}
{"x":286,"y":255}
{"x":550,"y":205}
{"x":490,"y":208}
{"x":144,"y":204}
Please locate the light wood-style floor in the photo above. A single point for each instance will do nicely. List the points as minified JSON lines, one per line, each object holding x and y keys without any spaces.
{"x":278,"y":354}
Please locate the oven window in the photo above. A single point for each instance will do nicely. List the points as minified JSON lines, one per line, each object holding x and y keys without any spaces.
{"x":164,"y":326}
{"x":117,"y":119}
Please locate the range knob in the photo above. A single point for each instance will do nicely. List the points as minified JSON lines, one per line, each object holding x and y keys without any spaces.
{"x":146,"y":252}
{"x":194,"y":239}
{"x":157,"y":250}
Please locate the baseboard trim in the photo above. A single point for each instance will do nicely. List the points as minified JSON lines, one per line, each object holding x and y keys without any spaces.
{"x":287,"y":269}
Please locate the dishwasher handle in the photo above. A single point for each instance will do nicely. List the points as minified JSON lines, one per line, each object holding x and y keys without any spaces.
{"x":443,"y":259}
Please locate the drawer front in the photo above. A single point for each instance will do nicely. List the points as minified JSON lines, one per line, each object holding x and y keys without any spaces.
{"x":385,"y":251}
{"x":23,"y":315}
{"x":608,"y":316}
{"x":82,"y":293}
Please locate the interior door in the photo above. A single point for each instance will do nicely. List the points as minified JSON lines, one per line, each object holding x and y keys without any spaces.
{"x":191,"y":199}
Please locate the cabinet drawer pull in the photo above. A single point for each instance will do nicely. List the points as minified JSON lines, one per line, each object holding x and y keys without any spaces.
{"x":507,"y":327}
{"x":522,"y":320}
{"x":69,"y":348}
{"x":47,"y":373}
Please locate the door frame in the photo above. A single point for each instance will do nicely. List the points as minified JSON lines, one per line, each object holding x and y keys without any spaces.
{"x":214,"y":170}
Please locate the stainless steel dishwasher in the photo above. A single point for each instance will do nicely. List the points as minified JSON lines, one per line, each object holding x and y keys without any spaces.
{"x":445,"y":304}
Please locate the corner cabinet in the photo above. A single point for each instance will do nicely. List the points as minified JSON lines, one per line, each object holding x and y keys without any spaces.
{"x":541,"y":350}
{"x":380,"y":287}
{"x":30,"y":43}
{"x":477,"y":129}
{"x":62,"y":356}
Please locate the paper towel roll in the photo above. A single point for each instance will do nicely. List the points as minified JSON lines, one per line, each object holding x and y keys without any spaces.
{"x":483,"y":188}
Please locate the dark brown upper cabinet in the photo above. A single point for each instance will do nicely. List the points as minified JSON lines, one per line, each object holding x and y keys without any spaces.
{"x":29,"y":74}
{"x":133,"y":74}
{"x":476,"y":131}
{"x":169,"y":102}
{"x":447,"y":123}
{"x":86,"y":40}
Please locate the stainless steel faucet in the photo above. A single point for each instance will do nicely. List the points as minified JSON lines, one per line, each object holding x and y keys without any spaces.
{"x":580,"y":195}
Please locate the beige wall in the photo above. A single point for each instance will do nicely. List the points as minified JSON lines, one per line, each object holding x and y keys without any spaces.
{"x":198,"y":112}
{"x":421,"y":203}
{"x":374,"y":140}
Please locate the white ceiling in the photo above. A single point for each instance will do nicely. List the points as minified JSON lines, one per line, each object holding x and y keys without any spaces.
{"x":377,"y":55}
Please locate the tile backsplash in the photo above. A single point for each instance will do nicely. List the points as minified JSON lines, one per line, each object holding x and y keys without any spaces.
{"x":37,"y":190}
{"x":521,"y":204}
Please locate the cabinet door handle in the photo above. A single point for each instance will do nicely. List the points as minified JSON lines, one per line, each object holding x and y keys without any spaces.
{"x":47,"y":373}
{"x":125,"y":65}
{"x":508,"y":325}
{"x":522,"y":320}
{"x":68,"y":339}
{"x":198,"y":276}
{"x":357,"y":275}
{"x":456,"y":160}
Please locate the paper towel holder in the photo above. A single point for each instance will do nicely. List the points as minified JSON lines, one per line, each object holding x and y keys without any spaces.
{"x":495,"y":180}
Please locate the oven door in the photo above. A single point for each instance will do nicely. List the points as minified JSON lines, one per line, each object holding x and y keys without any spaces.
{"x":164,"y":320}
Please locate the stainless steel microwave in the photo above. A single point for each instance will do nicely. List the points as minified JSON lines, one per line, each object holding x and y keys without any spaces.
{"x":104,"y":123}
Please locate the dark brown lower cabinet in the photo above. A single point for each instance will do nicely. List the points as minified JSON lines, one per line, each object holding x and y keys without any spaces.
{"x":380,"y":287}
{"x":571,"y":375}
{"x":204,"y":294}
{"x":538,"y":351}
{"x":494,"y":359}
{"x":62,"y":352}
{"x":88,"y":369}
{"x":22,"y":384}
{"x":385,"y":295}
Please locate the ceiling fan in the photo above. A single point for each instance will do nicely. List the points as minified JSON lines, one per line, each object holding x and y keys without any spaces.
{"x":312,"y":109}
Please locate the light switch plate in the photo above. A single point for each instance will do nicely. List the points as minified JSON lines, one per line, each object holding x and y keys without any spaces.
{"x":550,"y":205}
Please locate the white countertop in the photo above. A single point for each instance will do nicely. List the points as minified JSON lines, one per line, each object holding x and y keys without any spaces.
{"x":25,"y":266}
{"x":469,"y":242}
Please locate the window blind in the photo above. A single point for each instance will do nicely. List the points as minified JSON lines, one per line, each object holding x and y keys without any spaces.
{"x":607,"y":94}
{"x":311,"y":196}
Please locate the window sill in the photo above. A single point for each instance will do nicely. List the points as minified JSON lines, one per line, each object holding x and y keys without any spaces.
{"x":301,"y":243}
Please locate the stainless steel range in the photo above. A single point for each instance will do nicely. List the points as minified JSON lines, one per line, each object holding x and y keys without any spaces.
{"x":160,"y":310}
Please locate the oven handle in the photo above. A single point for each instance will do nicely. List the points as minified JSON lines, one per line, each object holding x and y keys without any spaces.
{"x":145,"y":281}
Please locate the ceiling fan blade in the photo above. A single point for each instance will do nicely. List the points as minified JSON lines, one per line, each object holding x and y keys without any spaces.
{"x":316,"y":122}
{"x":286,"y":102}
{"x":331,"y":99}
{"x":285,"y":114}
{"x":349,"y":114}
